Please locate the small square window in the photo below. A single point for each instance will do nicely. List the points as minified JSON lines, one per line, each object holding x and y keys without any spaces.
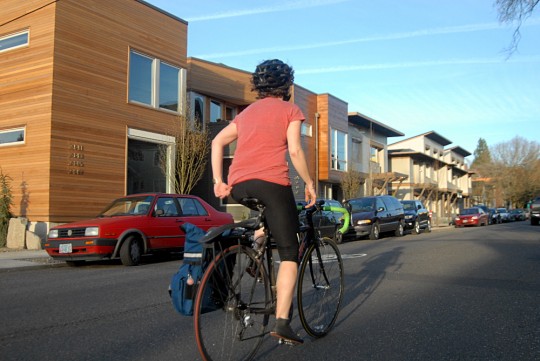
{"x":14,"y":41}
{"x":12,"y":136}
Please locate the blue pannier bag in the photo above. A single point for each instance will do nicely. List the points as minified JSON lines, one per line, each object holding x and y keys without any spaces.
{"x":184,"y":283}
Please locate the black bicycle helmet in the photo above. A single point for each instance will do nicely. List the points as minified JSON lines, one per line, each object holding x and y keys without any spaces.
{"x":273,"y":78}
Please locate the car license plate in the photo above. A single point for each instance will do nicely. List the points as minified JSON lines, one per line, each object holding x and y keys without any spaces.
{"x":465,"y":221}
{"x":66,"y":248}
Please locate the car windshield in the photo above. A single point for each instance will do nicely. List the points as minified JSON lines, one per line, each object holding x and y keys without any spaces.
{"x":469,"y":211}
{"x":363,"y":205}
{"x":128,"y":206}
{"x":409,"y":206}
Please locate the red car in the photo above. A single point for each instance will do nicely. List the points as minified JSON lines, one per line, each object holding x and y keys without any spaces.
{"x":474,"y":216}
{"x":132,"y":226}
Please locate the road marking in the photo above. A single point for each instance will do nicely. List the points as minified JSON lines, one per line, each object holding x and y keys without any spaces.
{"x":353,"y":255}
{"x":333,"y":258}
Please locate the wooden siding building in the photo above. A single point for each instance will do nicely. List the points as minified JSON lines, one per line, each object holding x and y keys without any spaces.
{"x":66,"y":90}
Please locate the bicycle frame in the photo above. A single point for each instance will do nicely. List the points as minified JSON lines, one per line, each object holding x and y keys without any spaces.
{"x":307,"y":237}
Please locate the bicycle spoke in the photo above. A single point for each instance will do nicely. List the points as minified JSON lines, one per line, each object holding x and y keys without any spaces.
{"x":320,"y":288}
{"x":234,"y":331}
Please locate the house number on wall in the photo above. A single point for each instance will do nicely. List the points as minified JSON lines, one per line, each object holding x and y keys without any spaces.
{"x":76,"y":159}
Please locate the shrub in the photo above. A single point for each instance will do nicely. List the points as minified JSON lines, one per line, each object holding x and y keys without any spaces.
{"x":6,"y":200}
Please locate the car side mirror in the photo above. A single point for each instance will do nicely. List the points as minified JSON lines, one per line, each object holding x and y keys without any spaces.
{"x":160,"y":212}
{"x":418,"y":207}
{"x":380,"y":209}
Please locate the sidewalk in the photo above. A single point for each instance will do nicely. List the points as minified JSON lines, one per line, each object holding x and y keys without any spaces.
{"x":19,"y":258}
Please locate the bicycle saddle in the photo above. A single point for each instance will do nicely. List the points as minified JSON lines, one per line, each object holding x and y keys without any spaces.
{"x":252,"y":203}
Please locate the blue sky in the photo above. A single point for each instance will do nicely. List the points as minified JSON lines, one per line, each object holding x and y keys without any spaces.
{"x":415,"y":65}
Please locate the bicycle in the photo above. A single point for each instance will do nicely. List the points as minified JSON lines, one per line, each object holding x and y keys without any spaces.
{"x":241,"y":280}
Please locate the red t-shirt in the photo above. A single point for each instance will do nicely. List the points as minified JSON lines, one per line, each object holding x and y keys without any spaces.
{"x":262,"y":141}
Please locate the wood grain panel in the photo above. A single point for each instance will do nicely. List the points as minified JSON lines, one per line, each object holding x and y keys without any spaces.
{"x":220,"y":81}
{"x":25,"y":100}
{"x":80,"y":100}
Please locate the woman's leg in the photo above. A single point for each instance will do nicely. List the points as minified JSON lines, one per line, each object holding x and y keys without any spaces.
{"x":286,"y":283}
{"x":282,"y":219}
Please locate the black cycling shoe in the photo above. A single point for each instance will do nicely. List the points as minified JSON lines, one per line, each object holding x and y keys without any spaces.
{"x":283,"y":331}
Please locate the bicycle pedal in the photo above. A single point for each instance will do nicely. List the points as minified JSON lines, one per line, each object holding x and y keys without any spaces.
{"x":283,"y":341}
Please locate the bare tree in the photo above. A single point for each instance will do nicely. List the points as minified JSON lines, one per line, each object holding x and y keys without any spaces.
{"x":517,"y":11}
{"x":191,"y":154}
{"x":515,"y":169}
{"x":351,"y":184}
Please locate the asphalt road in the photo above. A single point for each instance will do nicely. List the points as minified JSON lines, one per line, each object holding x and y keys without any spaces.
{"x":453,"y":294}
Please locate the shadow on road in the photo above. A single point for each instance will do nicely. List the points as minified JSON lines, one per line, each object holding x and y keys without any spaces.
{"x":361,"y":285}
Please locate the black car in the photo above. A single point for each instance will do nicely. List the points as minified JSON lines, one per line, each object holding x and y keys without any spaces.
{"x":416,"y":216}
{"x":371,"y":216}
{"x":495,"y":216}
{"x":517,"y":215}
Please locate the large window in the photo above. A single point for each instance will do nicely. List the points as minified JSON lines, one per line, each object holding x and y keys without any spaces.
{"x":14,"y":41}
{"x":356,"y":154}
{"x":12,"y":136}
{"x":197,"y":108}
{"x":215,"y":111}
{"x":154,"y":83}
{"x":149,"y":163}
{"x":338,"y":150}
{"x":144,"y":172}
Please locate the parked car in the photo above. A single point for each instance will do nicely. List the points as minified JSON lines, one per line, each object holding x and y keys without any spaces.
{"x":535,"y":211}
{"x":517,"y":215}
{"x":417,"y":217}
{"x":505,"y":216}
{"x":473,"y":216}
{"x":327,"y":222}
{"x":132,"y":226}
{"x":372,"y":216}
{"x":495,"y":216}
{"x":488,"y":210}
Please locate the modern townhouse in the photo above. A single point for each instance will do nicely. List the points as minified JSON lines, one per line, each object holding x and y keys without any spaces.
{"x":368,"y":144}
{"x":436,"y":175}
{"x":89,"y":89}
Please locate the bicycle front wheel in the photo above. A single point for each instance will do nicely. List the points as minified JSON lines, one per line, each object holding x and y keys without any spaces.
{"x":320,"y":287}
{"x":232,"y":328}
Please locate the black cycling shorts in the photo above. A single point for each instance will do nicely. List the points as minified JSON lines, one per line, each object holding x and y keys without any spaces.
{"x":281,"y":214}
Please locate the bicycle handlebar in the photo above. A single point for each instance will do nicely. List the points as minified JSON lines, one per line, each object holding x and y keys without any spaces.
{"x":344,"y":211}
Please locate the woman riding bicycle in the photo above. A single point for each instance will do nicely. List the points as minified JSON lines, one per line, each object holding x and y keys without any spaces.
{"x":264,"y":132}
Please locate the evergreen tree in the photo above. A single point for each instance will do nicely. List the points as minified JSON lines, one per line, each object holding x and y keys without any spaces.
{"x":482,"y":155}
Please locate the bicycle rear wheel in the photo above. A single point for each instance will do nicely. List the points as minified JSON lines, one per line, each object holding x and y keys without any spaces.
{"x":320,"y":287}
{"x":235,"y":330}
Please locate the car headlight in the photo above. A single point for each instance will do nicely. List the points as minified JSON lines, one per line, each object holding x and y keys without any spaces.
{"x":53,"y":233}
{"x":91,"y":231}
{"x":474,"y":217}
{"x":363,"y":221}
